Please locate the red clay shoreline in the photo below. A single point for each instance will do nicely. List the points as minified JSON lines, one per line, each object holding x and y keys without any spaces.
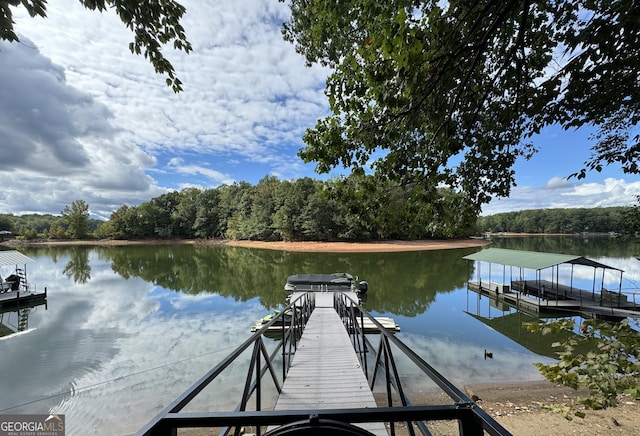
{"x":302,"y":246}
{"x":361,"y":247}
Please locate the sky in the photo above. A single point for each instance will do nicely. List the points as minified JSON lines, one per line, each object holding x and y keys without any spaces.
{"x":81,"y":118}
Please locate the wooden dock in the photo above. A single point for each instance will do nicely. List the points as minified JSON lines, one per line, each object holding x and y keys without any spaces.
{"x":325,"y":372}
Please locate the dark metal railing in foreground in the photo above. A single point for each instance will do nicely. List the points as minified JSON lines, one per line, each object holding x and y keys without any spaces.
{"x":471,"y":418}
{"x":290,"y":321}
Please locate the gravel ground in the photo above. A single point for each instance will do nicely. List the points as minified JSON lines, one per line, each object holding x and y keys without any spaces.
{"x":518,"y":408}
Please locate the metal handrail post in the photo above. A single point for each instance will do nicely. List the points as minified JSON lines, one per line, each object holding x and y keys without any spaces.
{"x":258,"y":386}
{"x":386,"y":351}
{"x":247,"y":385}
{"x":364,"y":345}
{"x":284,"y":354}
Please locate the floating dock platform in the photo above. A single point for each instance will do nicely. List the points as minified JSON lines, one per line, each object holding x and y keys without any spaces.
{"x":16,"y":299}
{"x":551,"y":303}
{"x":369,"y":327}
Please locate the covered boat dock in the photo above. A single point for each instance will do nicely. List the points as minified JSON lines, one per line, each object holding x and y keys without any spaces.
{"x":543,"y":294}
{"x":15,"y":290}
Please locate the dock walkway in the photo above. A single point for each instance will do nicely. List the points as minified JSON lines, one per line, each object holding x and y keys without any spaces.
{"x":325,"y":372}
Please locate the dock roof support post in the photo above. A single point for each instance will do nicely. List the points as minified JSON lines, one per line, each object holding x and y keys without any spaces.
{"x":620,"y":292}
{"x":602,"y":288}
{"x":521,"y":279}
{"x":557,"y":287}
{"x":565,"y":293}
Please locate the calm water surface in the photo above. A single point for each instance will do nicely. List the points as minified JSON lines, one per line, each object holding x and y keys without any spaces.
{"x":128,"y":329}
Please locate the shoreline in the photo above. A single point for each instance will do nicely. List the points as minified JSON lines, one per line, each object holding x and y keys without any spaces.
{"x":522,"y":408}
{"x":361,"y":247}
{"x":298,"y":246}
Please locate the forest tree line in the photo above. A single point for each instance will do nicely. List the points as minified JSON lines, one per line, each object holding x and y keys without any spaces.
{"x":353,"y":208}
{"x":73,"y":222}
{"x":356,"y":207}
{"x":566,"y":221}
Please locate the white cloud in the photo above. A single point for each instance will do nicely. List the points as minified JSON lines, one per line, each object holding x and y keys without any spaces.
{"x":96,"y":121}
{"x":177,"y":165}
{"x":563,"y":193}
{"x":243,"y":85}
{"x":59,"y":143}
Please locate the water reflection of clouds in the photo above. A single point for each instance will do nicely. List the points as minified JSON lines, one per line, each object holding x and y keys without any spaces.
{"x":128,"y":347}
{"x":584,"y":276}
{"x":125,"y":348}
{"x":171,"y":301}
{"x":158,"y":356}
{"x":453,"y":342}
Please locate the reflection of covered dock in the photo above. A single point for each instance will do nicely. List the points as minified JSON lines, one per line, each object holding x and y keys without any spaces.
{"x":16,"y":320}
{"x":511,"y":326}
{"x":547,"y":296}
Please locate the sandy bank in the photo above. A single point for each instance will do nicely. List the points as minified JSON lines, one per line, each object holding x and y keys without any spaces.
{"x":361,"y":247}
{"x":324,"y":247}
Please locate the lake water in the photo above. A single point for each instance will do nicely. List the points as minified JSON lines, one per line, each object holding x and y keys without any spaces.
{"x":128,"y":329}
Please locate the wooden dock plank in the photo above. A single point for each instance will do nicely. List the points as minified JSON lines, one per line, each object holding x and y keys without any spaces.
{"x":325,"y":372}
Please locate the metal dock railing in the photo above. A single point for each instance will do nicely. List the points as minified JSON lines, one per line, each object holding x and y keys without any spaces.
{"x":326,"y":383}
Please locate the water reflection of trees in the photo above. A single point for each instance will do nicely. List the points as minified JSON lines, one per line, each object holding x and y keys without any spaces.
{"x":407,"y":283}
{"x":404,"y":283}
{"x":78,"y":268}
{"x":400,"y":283}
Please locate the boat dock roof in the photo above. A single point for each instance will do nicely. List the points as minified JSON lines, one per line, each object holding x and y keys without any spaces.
{"x":13,"y":257}
{"x":532,"y":259}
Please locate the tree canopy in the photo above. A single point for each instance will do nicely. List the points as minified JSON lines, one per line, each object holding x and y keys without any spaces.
{"x":451,"y":92}
{"x":77,"y":218}
{"x":155,"y":23}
